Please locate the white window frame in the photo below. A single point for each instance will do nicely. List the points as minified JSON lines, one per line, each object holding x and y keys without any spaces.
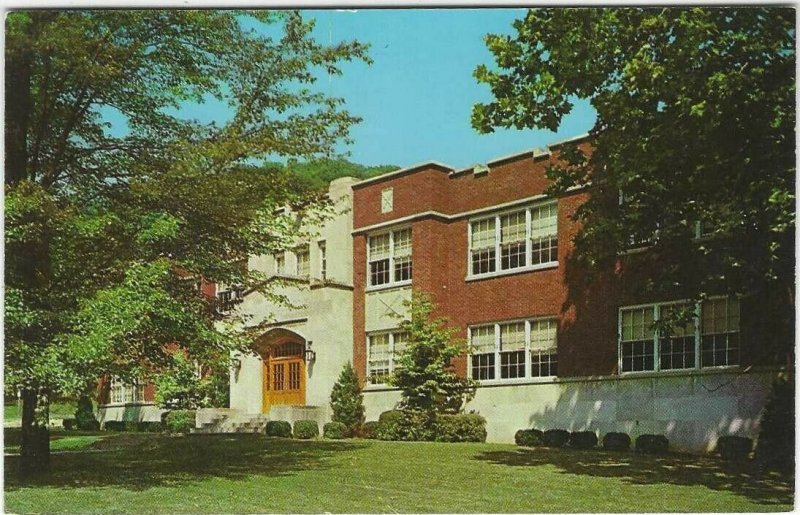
{"x":392,"y":365}
{"x":323,"y":259}
{"x":698,"y":337}
{"x":528,"y":266}
{"x":391,"y":283}
{"x":527,"y":376}
{"x":121,"y":392}
{"x":302,"y":249}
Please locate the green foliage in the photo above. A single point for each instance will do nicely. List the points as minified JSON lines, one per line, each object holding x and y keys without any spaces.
{"x":347,"y":400}
{"x":369,"y":430}
{"x":528,"y":437}
{"x":69,"y":424}
{"x":424,"y":373}
{"x":180,"y":421}
{"x":463,"y":427}
{"x":583,"y":439}
{"x":616,"y":442}
{"x":406,"y":425}
{"x":317,"y":174}
{"x":776,"y":446}
{"x":306,"y":429}
{"x":335,"y":430}
{"x":84,"y":414}
{"x":555,"y":438}
{"x":695,"y":124}
{"x":279,"y":428}
{"x":652,"y":444}
{"x":734,"y":448}
{"x":116,"y":203}
{"x":184,"y":385}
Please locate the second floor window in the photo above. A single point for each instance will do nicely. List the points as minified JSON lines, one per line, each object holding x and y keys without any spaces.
{"x":303,"y":268}
{"x":389,"y":258}
{"x":280,"y":263}
{"x":527,"y":238}
{"x":323,"y":261}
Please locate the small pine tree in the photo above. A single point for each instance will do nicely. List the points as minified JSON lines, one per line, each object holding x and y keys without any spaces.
{"x":775,"y":448}
{"x":347,"y":401}
{"x":424,"y":372}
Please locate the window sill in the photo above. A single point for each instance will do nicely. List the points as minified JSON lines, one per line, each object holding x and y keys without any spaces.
{"x":517,"y":381}
{"x":520,"y":270}
{"x":125,"y":404}
{"x":389,"y":286}
{"x":380,"y":388}
{"x":680,"y":371}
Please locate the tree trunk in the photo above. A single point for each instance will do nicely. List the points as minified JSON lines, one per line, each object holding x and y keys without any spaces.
{"x":18,"y":112}
{"x":35,"y":452}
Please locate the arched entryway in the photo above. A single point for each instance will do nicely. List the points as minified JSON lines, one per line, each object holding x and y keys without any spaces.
{"x":284,"y":371}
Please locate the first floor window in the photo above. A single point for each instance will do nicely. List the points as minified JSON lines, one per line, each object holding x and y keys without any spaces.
{"x":382,"y":351}
{"x":513,"y":350}
{"x":668,"y":336}
{"x":122,"y":392}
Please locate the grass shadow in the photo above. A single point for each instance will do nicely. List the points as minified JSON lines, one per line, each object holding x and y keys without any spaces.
{"x":673,"y":469}
{"x":138,"y":461}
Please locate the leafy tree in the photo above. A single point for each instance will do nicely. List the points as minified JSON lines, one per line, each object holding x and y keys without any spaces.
{"x":695,"y":133}
{"x":116,"y":204}
{"x":190,"y":386}
{"x":319,"y":173}
{"x":347,"y":401}
{"x":424,"y":373}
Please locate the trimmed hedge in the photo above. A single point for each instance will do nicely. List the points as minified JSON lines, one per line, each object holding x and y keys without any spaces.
{"x":133,"y":426}
{"x":334,"y":430}
{"x":583,"y":440}
{"x":464,"y":427}
{"x":306,"y":429}
{"x":180,"y":421}
{"x":616,"y":442}
{"x":407,"y":425}
{"x":369,"y":430}
{"x":149,"y":427}
{"x":528,"y":437}
{"x":652,"y":444}
{"x":734,"y":448}
{"x":555,"y":438}
{"x":69,"y":424}
{"x":279,"y":428}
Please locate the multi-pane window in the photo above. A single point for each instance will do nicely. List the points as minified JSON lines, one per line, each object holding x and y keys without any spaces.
{"x":482,"y":351}
{"x":303,"y":266}
{"x":382,"y":349}
{"x":719,"y":345}
{"x":390,"y":258}
{"x":280,"y":263}
{"x":122,"y":392}
{"x":228,"y":298}
{"x":524,"y":238}
{"x":668,"y":337}
{"x":323,"y":261}
{"x":512,"y":240}
{"x":544,"y":356}
{"x":544,"y":234}
{"x":513,"y":350}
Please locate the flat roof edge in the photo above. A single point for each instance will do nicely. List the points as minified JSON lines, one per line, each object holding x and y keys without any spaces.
{"x":403,"y":171}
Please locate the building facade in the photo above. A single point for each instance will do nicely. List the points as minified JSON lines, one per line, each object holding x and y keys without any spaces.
{"x":549,"y":351}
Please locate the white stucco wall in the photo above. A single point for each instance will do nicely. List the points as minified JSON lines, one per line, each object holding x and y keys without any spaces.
{"x":144,"y":412}
{"x":691,"y":410}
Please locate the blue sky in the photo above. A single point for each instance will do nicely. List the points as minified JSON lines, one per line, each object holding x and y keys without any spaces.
{"x":416,"y":98}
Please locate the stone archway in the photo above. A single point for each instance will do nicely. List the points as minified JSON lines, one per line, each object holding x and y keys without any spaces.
{"x":284,"y":368}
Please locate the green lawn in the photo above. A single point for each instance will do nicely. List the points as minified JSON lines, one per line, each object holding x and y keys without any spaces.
{"x":152,"y":473}
{"x":59,"y":409}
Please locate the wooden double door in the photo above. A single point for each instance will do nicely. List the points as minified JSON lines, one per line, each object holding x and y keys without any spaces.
{"x":284,"y":375}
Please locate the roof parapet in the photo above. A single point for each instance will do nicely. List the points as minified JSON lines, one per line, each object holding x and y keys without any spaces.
{"x":403,"y":171}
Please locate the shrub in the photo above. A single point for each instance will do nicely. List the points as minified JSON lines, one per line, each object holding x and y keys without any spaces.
{"x":180,"y":421}
{"x":528,"y":437}
{"x":149,"y":427}
{"x":369,"y":430}
{"x":280,"y":428}
{"x":114,"y":425}
{"x":652,"y":444}
{"x":775,"y":447}
{"x":409,"y":425}
{"x":84,"y":415}
{"x":68,"y":424}
{"x":555,"y":438}
{"x":583,"y":440}
{"x":306,"y":429}
{"x":734,"y":448}
{"x":334,"y":430}
{"x":616,"y":442}
{"x":347,"y":401}
{"x":465,"y":427}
